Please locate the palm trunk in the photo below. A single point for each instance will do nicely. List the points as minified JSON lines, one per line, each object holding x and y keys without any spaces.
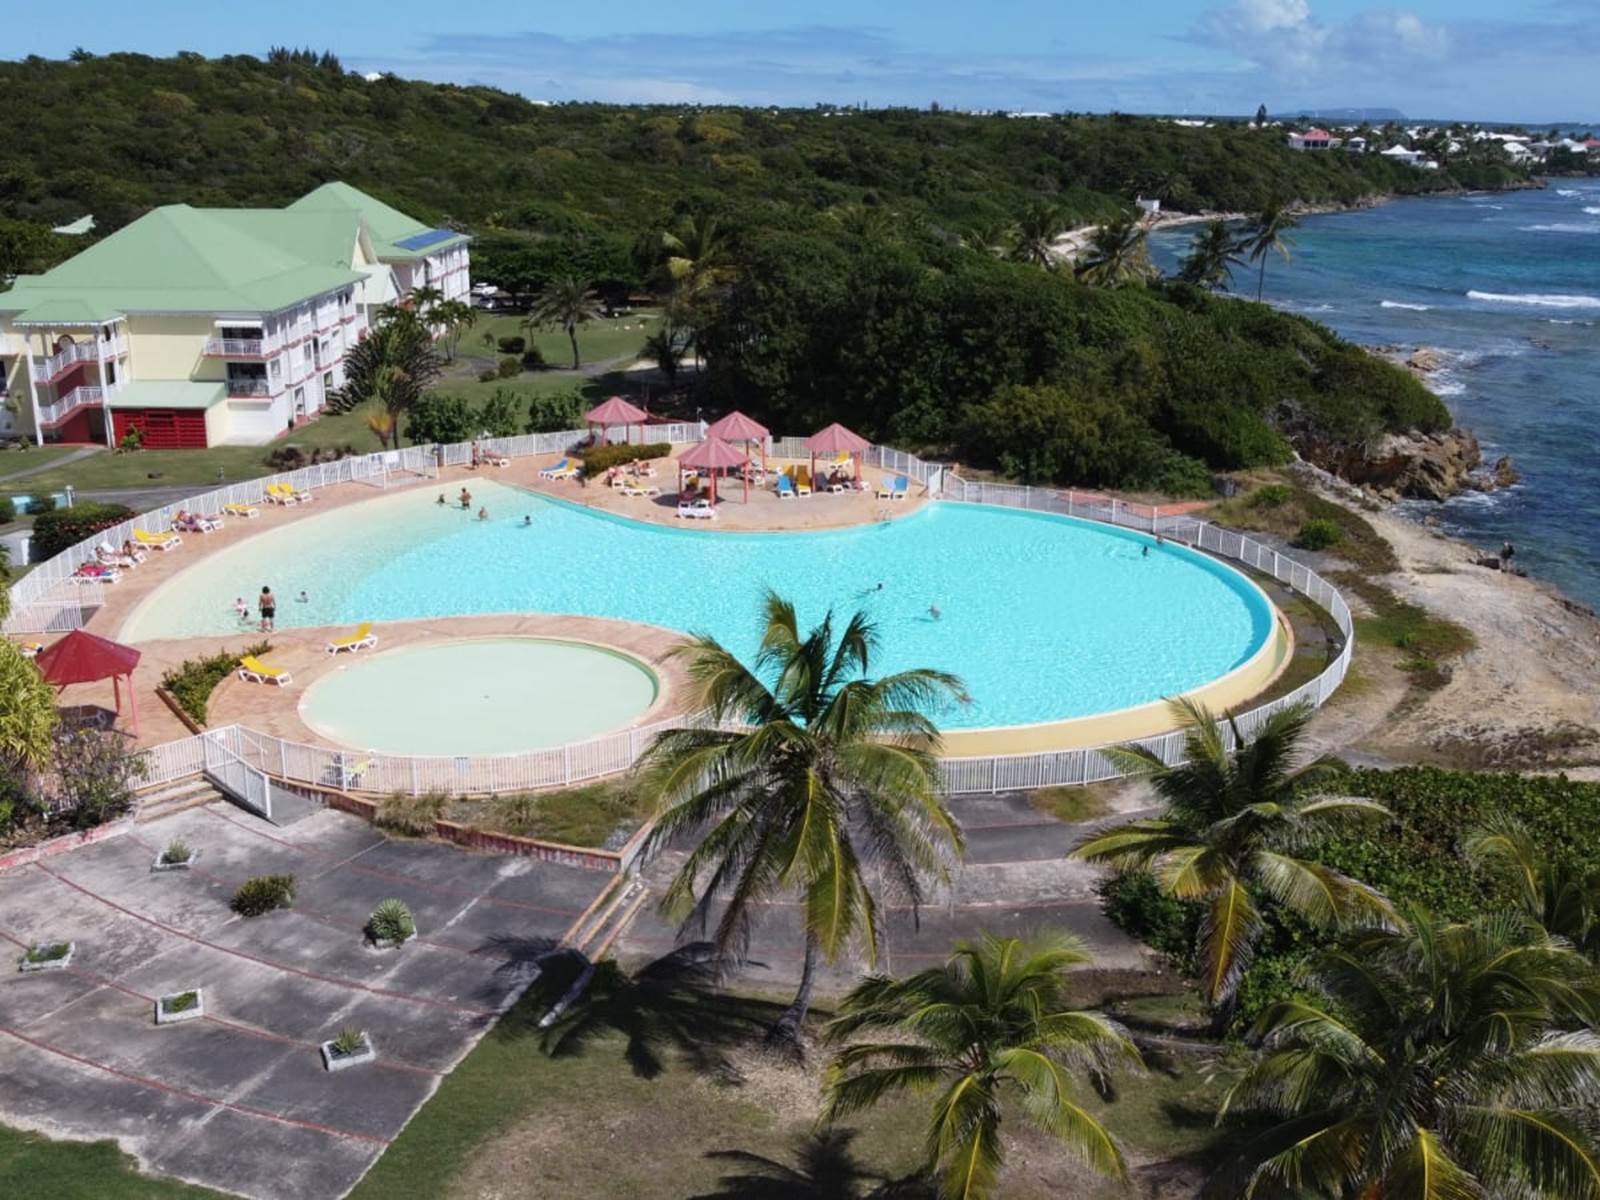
{"x":1261,"y":281}
{"x":572,"y":332}
{"x":785,"y":1035}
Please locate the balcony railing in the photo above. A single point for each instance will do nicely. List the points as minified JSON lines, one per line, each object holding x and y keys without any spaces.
{"x":241,"y":389}
{"x":241,"y":347}
{"x":79,"y":397}
{"x":63,"y":360}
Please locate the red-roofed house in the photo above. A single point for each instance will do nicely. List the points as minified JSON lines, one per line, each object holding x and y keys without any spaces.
{"x":1311,"y":139}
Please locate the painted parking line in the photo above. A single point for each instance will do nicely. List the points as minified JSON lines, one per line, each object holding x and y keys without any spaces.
{"x":267,"y":962}
{"x":186,"y":1094}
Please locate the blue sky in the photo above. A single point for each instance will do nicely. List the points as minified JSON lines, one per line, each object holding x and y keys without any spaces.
{"x":1532,"y":61}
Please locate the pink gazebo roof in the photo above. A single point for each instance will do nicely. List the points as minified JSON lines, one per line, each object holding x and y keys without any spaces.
{"x":83,"y":658}
{"x":736,"y":427}
{"x":836,"y":439}
{"x":615,"y":411}
{"x":712,"y":454}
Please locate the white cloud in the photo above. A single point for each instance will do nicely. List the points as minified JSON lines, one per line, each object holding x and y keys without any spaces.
{"x":1285,"y":39}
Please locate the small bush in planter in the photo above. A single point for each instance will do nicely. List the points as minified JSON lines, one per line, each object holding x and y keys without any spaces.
{"x":391,"y":923}
{"x":177,"y":852}
{"x":412,"y":815}
{"x":263,"y":894}
{"x":47,"y":952}
{"x":349,"y":1047}
{"x":1318,"y":534}
{"x":187,"y":1005}
{"x":182,"y":1002}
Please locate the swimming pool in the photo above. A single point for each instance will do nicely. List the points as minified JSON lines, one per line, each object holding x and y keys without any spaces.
{"x":1045,"y":618}
{"x":478,"y":696}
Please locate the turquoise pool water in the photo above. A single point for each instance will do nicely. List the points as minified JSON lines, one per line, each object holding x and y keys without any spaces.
{"x":1044,"y":617}
{"x":477,"y":696}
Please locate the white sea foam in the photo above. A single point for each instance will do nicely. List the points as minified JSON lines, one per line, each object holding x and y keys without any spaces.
{"x":1402,"y":304}
{"x":1562,"y":227}
{"x":1593,"y":210}
{"x":1568,"y":192}
{"x":1541,"y":300}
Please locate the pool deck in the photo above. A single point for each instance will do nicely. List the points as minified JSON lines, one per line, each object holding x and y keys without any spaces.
{"x":302,"y":650}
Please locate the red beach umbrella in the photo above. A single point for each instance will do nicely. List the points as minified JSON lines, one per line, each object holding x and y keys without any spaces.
{"x":84,"y":658}
{"x":713,"y":455}
{"x":836,"y":439}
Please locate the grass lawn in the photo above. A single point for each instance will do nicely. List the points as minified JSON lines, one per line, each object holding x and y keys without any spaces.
{"x":512,"y":1121}
{"x":585,"y":816}
{"x":32,"y":1165}
{"x":597,"y":340}
{"x":25,"y":459}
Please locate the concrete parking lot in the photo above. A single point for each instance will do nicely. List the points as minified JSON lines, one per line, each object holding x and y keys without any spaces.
{"x":239,"y":1100}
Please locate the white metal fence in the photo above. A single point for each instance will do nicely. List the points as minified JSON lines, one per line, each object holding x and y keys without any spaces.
{"x":225,"y":768}
{"x":46,"y":601}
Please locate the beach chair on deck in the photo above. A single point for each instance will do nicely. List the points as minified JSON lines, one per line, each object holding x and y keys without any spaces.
{"x":241,"y":510}
{"x":253,"y":670}
{"x":110,"y":556}
{"x":785,"y":488}
{"x":894,"y":489}
{"x":157,"y":541}
{"x":802,"y":481}
{"x":362,"y":639}
{"x":561,"y":470}
{"x":282,"y":493}
{"x":294,"y":497}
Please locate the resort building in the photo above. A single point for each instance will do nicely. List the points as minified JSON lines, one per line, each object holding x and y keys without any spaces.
{"x":1311,"y":139}
{"x":1400,"y":154}
{"x":212,"y":326}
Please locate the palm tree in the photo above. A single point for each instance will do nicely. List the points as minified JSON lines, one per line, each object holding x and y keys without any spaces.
{"x":696,"y":255}
{"x":989,"y":1028}
{"x":987,"y":237}
{"x":424,"y":297}
{"x":1213,"y":254}
{"x":1034,"y":235}
{"x":452,"y":318}
{"x":1551,"y":892}
{"x":1230,"y":821}
{"x":667,"y":347}
{"x":393,"y":366}
{"x":1437,"y":1062}
{"x":1265,"y":235}
{"x":566,"y":302}
{"x":1118,"y":253}
{"x":828,"y":774}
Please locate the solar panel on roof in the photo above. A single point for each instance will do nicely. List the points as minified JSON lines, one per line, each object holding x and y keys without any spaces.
{"x":426,"y":238}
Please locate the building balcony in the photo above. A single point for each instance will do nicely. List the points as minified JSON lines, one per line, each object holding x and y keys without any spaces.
{"x":57,"y":411}
{"x":241,"y":347}
{"x":249,"y":389}
{"x":48,"y":370}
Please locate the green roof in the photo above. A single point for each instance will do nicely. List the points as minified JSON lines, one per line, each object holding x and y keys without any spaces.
{"x":387,"y":226}
{"x":178,"y":259}
{"x":166,"y":393}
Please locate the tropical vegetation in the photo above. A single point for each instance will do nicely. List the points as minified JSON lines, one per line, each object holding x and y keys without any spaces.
{"x":811,"y":779}
{"x":987,"y":1032}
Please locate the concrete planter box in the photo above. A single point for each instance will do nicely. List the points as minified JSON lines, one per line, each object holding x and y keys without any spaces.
{"x":158,"y":865}
{"x":194,"y":1011}
{"x":390,"y":943}
{"x":342,"y":1062}
{"x":49,"y":964}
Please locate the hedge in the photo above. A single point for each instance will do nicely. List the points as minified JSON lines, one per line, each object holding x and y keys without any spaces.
{"x":54,"y":531}
{"x":192,"y":681}
{"x":603,"y":458}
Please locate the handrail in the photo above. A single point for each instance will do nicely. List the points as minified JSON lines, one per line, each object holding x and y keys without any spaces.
{"x":43,"y":601}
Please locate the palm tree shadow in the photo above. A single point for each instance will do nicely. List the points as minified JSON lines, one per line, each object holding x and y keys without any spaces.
{"x":825,"y":1168}
{"x":671,"y":1008}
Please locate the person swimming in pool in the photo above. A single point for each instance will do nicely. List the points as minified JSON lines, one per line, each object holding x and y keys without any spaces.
{"x":441,"y":501}
{"x":302,"y":598}
{"x":483,"y":514}
{"x":934,"y":612}
{"x":241,"y":609}
{"x":526,"y":521}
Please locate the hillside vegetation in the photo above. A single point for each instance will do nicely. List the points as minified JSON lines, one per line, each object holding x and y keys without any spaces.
{"x":867,"y":267}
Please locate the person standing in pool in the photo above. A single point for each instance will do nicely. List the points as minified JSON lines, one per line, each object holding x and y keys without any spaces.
{"x":268,"y":603}
{"x":466,"y":500}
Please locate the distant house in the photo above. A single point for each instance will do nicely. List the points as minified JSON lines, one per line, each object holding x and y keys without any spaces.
{"x":1589,"y":145}
{"x":210,"y":326}
{"x":1311,"y":139}
{"x":1356,"y":145}
{"x":1149,"y":207}
{"x":1400,"y":154}
{"x":1517,"y":152}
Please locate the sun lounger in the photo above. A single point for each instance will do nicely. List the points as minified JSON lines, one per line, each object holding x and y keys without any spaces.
{"x":96,"y":573}
{"x":112,"y":557}
{"x":802,"y":481}
{"x":195,"y":523}
{"x":253,"y":670}
{"x":287,"y":489}
{"x":562,"y":470}
{"x":644,"y":470}
{"x":362,"y":639}
{"x":785,"y":488}
{"x":30,"y":649}
{"x":157,"y":541}
{"x":697,"y":510}
{"x":282,"y":493}
{"x":241,"y":510}
{"x":893,"y":489}
{"x":629,"y":488}
{"x":490,"y":459}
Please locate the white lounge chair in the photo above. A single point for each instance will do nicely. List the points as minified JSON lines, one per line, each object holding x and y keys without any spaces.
{"x":697,"y":510}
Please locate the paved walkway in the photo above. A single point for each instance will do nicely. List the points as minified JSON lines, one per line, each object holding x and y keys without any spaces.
{"x":239,"y":1099}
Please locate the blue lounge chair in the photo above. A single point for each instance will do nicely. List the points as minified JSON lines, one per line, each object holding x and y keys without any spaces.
{"x":895,"y":489}
{"x":785,"y":488}
{"x":561,"y":470}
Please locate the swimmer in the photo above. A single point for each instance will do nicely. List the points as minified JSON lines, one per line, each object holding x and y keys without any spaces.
{"x":483,"y":514}
{"x":441,"y":500}
{"x":241,"y":609}
{"x":526,"y":521}
{"x":302,"y":598}
{"x":933,"y":611}
{"x":1145,"y":552}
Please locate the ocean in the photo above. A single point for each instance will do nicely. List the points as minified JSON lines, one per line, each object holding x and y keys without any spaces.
{"x":1507,"y":286}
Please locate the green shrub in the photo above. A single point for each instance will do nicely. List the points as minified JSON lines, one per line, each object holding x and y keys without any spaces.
{"x":488,"y":376}
{"x":509,"y":367}
{"x":349,"y":1040}
{"x":39,"y":505}
{"x":512,"y":345}
{"x":263,"y":894}
{"x":177,"y":851}
{"x":602,"y":458}
{"x":550,"y":412}
{"x":8,"y":510}
{"x":48,"y":952}
{"x":412,"y":815}
{"x":182,"y":1002}
{"x":192,"y":681}
{"x":391,"y":921}
{"x":1271,"y":495}
{"x":54,"y":531}
{"x":1318,"y":534}
{"x":133,"y":439}
{"x":533,"y":359}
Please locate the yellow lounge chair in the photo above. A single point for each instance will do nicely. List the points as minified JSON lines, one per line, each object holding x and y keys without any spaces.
{"x":157,"y":541}
{"x":287,"y":489}
{"x":802,"y":481}
{"x":277,"y":495}
{"x":253,"y":670}
{"x":241,"y":510}
{"x":362,"y":639}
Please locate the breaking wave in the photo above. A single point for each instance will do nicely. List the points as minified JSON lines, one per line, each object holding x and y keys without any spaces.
{"x":1541,"y":300}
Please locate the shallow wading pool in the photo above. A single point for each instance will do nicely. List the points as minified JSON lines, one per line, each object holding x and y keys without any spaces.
{"x":478,"y":696}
